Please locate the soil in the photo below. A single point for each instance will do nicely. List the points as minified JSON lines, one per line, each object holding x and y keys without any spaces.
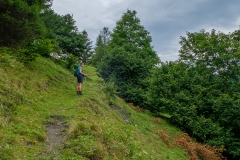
{"x":56,"y":132}
{"x":125,"y":114}
{"x":56,"y":136}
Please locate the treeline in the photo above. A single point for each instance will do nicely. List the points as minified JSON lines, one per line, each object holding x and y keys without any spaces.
{"x":200,"y":91}
{"x":30,"y":28}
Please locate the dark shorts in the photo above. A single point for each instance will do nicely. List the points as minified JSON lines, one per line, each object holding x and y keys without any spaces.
{"x":80,"y":79}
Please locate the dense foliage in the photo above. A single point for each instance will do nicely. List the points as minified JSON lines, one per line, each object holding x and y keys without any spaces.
{"x":33,"y":28}
{"x":63,"y":30}
{"x":20,"y":21}
{"x":74,"y":45}
{"x":201,"y":90}
{"x":129,"y":59}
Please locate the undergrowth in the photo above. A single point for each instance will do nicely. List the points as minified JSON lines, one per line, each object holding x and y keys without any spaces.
{"x":195,"y":150}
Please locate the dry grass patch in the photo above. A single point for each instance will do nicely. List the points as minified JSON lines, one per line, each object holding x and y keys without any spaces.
{"x":196,"y":151}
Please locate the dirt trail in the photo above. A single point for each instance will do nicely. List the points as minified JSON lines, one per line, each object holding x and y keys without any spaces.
{"x":55,"y":135}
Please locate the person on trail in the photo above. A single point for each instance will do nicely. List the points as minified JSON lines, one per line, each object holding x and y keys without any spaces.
{"x":80,"y":76}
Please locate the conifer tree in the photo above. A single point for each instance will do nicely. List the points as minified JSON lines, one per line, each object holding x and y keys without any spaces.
{"x":20,"y":21}
{"x":101,"y":46}
{"x":130,"y":58}
{"x":88,"y":50}
{"x":63,"y":30}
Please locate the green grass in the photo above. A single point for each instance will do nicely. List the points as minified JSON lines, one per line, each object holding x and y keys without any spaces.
{"x":99,"y":126}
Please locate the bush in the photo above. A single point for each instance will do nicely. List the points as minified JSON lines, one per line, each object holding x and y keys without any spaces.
{"x":199,"y":103}
{"x":43,"y":47}
{"x":5,"y":55}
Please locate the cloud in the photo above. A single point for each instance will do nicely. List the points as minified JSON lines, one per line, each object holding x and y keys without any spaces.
{"x":166,"y":20}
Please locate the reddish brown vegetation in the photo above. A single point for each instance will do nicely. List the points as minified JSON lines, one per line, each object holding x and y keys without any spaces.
{"x":195,"y":150}
{"x":131,"y":105}
{"x":157,"y":120}
{"x":137,"y":108}
{"x":165,"y":137}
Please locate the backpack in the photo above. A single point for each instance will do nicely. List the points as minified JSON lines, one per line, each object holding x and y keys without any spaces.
{"x":76,"y":70}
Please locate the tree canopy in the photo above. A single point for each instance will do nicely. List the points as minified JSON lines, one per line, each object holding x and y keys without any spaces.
{"x":63,"y":30}
{"x":130,"y":58}
{"x":201,"y":90}
{"x":88,"y":50}
{"x":20,"y":21}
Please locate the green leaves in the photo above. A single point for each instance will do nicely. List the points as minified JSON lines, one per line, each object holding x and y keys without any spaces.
{"x":201,"y":90}
{"x":87,"y":50}
{"x":101,"y":49}
{"x":20,"y":21}
{"x":129,"y":31}
{"x":62,"y":29}
{"x":130,"y":58}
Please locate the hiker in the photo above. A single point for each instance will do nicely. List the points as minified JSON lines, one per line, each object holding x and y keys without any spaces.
{"x":80,"y":76}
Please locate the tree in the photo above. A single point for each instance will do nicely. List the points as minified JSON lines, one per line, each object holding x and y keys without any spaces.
{"x":20,"y":21}
{"x":87,"y":51}
{"x":48,"y":4}
{"x":130,"y":58}
{"x":201,"y":90}
{"x":214,"y":54}
{"x":101,"y":46}
{"x":216,"y":58}
{"x":63,"y":30}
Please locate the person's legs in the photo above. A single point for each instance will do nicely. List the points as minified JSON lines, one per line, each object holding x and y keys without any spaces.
{"x":79,"y":85}
{"x":80,"y":88}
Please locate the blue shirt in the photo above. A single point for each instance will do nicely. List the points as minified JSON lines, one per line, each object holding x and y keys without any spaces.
{"x":79,"y":69}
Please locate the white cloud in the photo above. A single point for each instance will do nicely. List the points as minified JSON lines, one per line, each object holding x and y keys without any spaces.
{"x":109,"y":3}
{"x":166,"y":20}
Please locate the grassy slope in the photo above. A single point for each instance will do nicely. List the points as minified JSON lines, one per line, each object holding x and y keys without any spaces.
{"x":30,"y":94}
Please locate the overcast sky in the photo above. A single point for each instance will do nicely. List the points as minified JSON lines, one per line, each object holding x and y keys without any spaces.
{"x":166,"y":20}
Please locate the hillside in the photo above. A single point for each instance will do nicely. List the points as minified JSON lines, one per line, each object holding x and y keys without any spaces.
{"x":43,"y":118}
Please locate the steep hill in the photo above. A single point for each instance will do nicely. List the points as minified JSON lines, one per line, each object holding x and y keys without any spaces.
{"x":41,"y":117}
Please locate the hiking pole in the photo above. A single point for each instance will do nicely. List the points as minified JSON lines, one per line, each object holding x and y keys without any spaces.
{"x":84,"y":80}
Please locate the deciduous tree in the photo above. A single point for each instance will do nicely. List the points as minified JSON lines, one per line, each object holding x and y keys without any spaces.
{"x":201,"y":90}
